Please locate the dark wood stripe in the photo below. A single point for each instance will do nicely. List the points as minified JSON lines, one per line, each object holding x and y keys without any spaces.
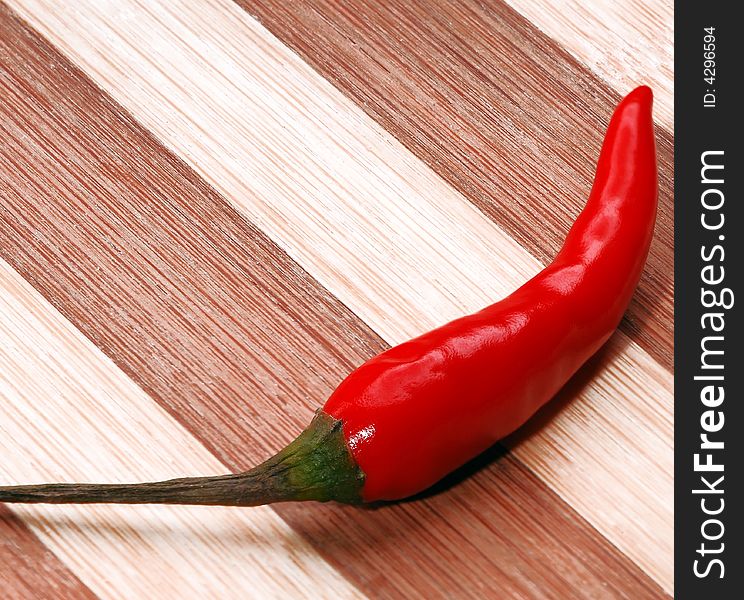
{"x":494,"y":106}
{"x":223,"y":330}
{"x":29,"y":570}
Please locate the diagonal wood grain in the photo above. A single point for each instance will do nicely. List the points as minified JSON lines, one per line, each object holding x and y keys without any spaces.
{"x":69,"y":414}
{"x":623,"y":42}
{"x":497,"y":109}
{"x":249,"y":110}
{"x":223,"y":330}
{"x":28,"y":569}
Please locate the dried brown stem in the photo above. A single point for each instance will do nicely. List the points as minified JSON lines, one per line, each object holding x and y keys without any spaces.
{"x":315,"y":466}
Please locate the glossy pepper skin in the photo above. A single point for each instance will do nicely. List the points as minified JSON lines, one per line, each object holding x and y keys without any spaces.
{"x":418,"y":411}
{"x":409,"y":416}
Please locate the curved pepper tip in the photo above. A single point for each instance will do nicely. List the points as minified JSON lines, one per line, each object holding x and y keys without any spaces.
{"x":642,"y":94}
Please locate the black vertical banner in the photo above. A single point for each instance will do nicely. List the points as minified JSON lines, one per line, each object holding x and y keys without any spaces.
{"x":709,"y":267}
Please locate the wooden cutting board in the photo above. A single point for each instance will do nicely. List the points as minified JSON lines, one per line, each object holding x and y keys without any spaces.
{"x":212,"y":212}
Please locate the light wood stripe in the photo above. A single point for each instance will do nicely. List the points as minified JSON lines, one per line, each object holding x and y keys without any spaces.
{"x":496,"y":108}
{"x":68,"y":413}
{"x":28,"y":569}
{"x":223,"y":330}
{"x":624,"y":42}
{"x":240,"y":128}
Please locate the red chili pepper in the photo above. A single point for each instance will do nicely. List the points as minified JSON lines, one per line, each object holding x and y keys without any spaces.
{"x":411,"y":415}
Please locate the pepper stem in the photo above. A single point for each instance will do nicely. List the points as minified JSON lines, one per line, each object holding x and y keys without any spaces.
{"x":317,"y":465}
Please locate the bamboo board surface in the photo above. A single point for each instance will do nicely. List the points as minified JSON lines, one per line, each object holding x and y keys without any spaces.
{"x":211,"y":212}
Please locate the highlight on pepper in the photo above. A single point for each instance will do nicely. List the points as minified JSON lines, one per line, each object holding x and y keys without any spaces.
{"x":409,"y":416}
